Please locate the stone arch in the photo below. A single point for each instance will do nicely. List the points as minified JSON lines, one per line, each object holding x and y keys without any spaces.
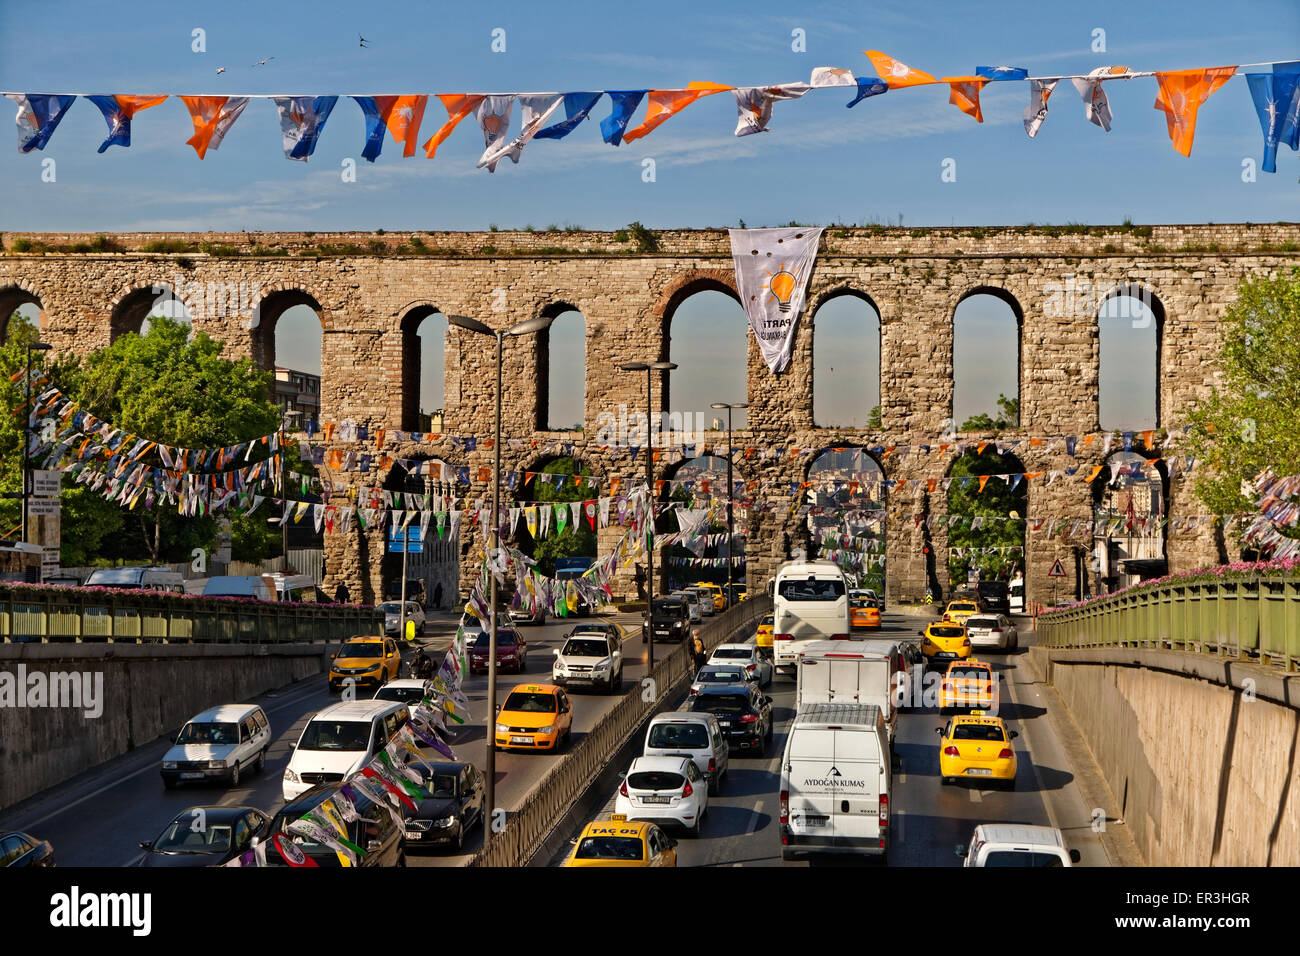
{"x":133,"y":303}
{"x":1009,"y":299}
{"x":871,"y":527}
{"x":542,"y":402}
{"x":1012,"y":533}
{"x":274,"y":300}
{"x":1139,"y":291}
{"x":716,"y":487}
{"x":12,"y":298}
{"x":1109,"y":502}
{"x":413,"y":315}
{"x":439,"y":562}
{"x":527,"y":493}
{"x":842,"y":291}
{"x":672,"y":297}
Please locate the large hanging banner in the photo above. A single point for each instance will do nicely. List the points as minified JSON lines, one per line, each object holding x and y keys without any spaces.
{"x":772,"y":271}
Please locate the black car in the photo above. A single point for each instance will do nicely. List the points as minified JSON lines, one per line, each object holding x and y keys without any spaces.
{"x":22,"y":849}
{"x":453,"y":808}
{"x":375,"y":832}
{"x":995,"y":596}
{"x":744,"y":713}
{"x":670,"y":619}
{"x":206,"y":836}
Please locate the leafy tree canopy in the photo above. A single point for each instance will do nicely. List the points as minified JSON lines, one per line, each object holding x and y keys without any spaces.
{"x":1008,"y":416}
{"x":997,"y":499}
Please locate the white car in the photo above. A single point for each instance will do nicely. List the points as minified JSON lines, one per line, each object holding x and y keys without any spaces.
{"x":217,"y":744}
{"x":589,"y":659}
{"x":992,"y":631}
{"x":692,"y":600}
{"x":711,"y":674}
{"x":665,"y":790}
{"x":1003,"y":844}
{"x":393,"y":617}
{"x":747,"y":658}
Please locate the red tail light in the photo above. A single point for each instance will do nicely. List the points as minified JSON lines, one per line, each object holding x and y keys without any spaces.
{"x":713,"y":765}
{"x":748,"y":718}
{"x":785,"y":806}
{"x":1006,"y":754}
{"x":839,"y":637}
{"x":884,"y":810}
{"x":783,"y":637}
{"x":965,"y":642}
{"x":951,"y":752}
{"x":996,"y":630}
{"x":688,"y":789}
{"x":622,"y":788}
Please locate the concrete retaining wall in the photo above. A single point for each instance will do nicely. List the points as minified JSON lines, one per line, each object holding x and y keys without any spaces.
{"x":1200,"y":753}
{"x":147,"y":691}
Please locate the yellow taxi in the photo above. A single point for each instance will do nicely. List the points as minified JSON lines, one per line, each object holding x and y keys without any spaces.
{"x":763,"y":639}
{"x":621,"y":842}
{"x":977,"y":747}
{"x":958,"y":611}
{"x":719,"y":598}
{"x":945,"y":641}
{"x":863,"y":612}
{"x":968,"y":685}
{"x":534,"y":717}
{"x":365,"y":661}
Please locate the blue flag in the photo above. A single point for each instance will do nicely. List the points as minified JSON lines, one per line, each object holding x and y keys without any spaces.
{"x":868,"y":86}
{"x":118,"y":111}
{"x":38,"y":116}
{"x":1277,"y":101}
{"x":625,"y":104}
{"x":375,"y":128}
{"x":1002,"y":72}
{"x":576,"y":108}
{"x":301,"y":120}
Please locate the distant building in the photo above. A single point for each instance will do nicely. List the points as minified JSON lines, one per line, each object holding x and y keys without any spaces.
{"x":297,"y":392}
{"x":431,"y":422}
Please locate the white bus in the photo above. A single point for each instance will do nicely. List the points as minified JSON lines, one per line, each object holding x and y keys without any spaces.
{"x":1017,"y":595}
{"x":810,"y":602}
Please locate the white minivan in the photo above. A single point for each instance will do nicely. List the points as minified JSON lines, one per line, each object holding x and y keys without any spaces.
{"x":1016,"y":844}
{"x":340,"y":740}
{"x":218,"y":744}
{"x":810,"y":602}
{"x":690,"y":734}
{"x":835,"y":783}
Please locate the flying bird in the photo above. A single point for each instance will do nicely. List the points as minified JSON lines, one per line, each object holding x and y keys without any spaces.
{"x":363,"y":40}
{"x":220,"y":70}
{"x":262,"y":62}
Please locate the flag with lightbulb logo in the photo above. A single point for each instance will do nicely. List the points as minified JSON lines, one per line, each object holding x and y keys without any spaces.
{"x":772,"y":271}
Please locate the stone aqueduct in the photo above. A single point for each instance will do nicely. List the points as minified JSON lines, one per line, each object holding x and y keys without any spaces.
{"x":371,"y":298}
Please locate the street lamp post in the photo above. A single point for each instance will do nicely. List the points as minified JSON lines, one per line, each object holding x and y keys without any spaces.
{"x":284,"y":494}
{"x":731,"y":531}
{"x":27,"y":431}
{"x":649,"y":368}
{"x":481,"y":328}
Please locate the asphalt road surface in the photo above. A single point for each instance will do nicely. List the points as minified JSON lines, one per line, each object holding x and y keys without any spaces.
{"x":928,"y":820}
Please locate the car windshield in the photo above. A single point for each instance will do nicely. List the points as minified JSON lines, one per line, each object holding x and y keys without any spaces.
{"x":524,"y":702}
{"x":668,"y":608}
{"x":990,"y":732}
{"x":188,"y":833}
{"x":586,"y":647}
{"x":811,"y":589}
{"x":655,"y":780}
{"x":693,"y":736}
{"x":1021,"y":858}
{"x":339,"y":735}
{"x":503,"y":637}
{"x":608,"y":848}
{"x":769,"y":619}
{"x":733,"y":653}
{"x":721,"y":704}
{"x":969,"y":673}
{"x":115,"y":577}
{"x":405,"y":695}
{"x":861,"y":602}
{"x":947,"y":631}
{"x":718,"y":677}
{"x":962,"y":606}
{"x":362,"y":649}
{"x":390,"y":607}
{"x":444,"y":785}
{"x":982,"y":622}
{"x":194,"y":733}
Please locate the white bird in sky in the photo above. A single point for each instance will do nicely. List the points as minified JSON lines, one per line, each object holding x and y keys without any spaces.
{"x":220,"y":70}
{"x":262,"y":62}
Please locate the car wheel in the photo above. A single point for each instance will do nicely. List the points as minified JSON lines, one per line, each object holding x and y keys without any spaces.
{"x":261,"y":761}
{"x":234,"y":774}
{"x":168,"y":783}
{"x":945,"y":781}
{"x":1011,"y":784}
{"x":460,"y":840}
{"x":401,"y":859}
{"x":693,"y":831}
{"x":619,"y":685}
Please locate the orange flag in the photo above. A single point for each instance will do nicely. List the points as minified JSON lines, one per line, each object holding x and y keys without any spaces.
{"x":984,"y":480}
{"x":1147,"y":436}
{"x":931,"y":484}
{"x":459,"y":105}
{"x":663,"y":104}
{"x":402,"y":116}
{"x":1181,"y":94}
{"x":964,"y":93}
{"x":212,"y":117}
{"x":895,"y":73}
{"x":1096,"y":470}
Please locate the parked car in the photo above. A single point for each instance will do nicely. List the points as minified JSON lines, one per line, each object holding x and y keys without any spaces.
{"x":375,"y":831}
{"x":393,"y":617}
{"x":664,"y":790}
{"x":744,"y":713}
{"x":218,"y":744}
{"x":145,"y":579}
{"x":512,"y":652}
{"x":22,"y":849}
{"x":260,"y":587}
{"x":206,"y":836}
{"x":452,"y":809}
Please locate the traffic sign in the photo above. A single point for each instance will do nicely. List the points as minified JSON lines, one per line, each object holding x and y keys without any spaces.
{"x":45,"y":507}
{"x":414,"y":540}
{"x":46,"y":484}
{"x":1058,"y":571}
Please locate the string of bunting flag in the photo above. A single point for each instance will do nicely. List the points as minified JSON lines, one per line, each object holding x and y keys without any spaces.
{"x":1273,"y":88}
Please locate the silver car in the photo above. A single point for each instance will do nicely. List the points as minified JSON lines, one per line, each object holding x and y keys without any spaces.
{"x":692,"y":600}
{"x":992,"y":631}
{"x":746,"y":657}
{"x":393,"y":617}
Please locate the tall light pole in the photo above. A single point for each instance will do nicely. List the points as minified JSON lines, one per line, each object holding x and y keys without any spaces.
{"x":480,"y":328}
{"x":649,"y":368}
{"x":27,"y":431}
{"x":284,"y":493}
{"x":731,"y":531}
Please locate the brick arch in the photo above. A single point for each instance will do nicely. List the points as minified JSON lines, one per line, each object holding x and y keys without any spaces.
{"x":410,"y":317}
{"x":542,"y":357}
{"x":740,"y":469}
{"x":1013,"y":464}
{"x":805,"y":533}
{"x":272,"y":302}
{"x":681,"y":288}
{"x":133,"y":302}
{"x":1141,"y":291}
{"x":533,"y":460}
{"x":18,"y":293}
{"x":838,"y":290}
{"x":1008,"y":297}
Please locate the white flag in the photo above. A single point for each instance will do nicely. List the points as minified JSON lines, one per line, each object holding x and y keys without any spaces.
{"x":1036,"y":111}
{"x":754,"y":104}
{"x":1095,"y":104}
{"x":536,"y":110}
{"x":493,"y":116}
{"x":772,"y":271}
{"x":832,"y":76}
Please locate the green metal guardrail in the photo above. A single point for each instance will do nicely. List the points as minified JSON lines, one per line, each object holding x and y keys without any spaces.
{"x":51,"y":615}
{"x":1247,"y":618}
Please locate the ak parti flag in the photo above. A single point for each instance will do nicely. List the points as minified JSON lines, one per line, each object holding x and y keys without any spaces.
{"x":895,"y":73}
{"x":118,"y":111}
{"x":403,"y":115}
{"x":664,"y":104}
{"x":964,"y":93}
{"x":1181,"y":94}
{"x":458,"y":105}
{"x":213,"y":116}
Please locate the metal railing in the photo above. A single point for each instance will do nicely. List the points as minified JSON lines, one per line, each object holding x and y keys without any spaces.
{"x":528,"y":826}
{"x":1248,"y":618}
{"x":52,"y":615}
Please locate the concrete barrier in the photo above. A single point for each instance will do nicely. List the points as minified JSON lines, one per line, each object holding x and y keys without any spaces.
{"x":141,"y":692}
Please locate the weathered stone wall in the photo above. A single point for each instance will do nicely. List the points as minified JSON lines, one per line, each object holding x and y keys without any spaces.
{"x":368,"y":297}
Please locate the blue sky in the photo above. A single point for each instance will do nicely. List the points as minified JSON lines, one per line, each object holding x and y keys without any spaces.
{"x":820,"y":163}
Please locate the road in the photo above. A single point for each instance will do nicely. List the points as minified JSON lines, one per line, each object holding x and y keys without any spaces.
{"x":928,"y":820}
{"x":99,"y":817}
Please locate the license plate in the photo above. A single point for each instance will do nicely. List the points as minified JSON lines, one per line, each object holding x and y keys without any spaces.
{"x":661,"y":633}
{"x":416,"y":835}
{"x":979,"y":771}
{"x":521,"y":740}
{"x":815,"y":821}
{"x":191,"y":776}
{"x":724,"y":723}
{"x":656,"y":799}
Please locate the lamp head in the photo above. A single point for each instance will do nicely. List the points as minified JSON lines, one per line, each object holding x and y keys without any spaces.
{"x":529,"y":326}
{"x":470,"y":325}
{"x":634,"y":366}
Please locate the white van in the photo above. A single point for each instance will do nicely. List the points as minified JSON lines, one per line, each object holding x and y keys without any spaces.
{"x":690,"y":734}
{"x":340,"y":740}
{"x":145,"y":579}
{"x":835,"y":782}
{"x":300,"y":588}
{"x":1016,"y":595}
{"x":257,"y":586}
{"x":850,"y":672}
{"x":1014,"y":844}
{"x":218,"y":744}
{"x":810,"y":602}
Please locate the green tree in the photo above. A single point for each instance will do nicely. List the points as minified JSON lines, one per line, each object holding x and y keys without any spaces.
{"x":1008,"y":416}
{"x":1251,"y":420}
{"x":575,"y":541}
{"x":873,"y":418}
{"x":996,"y":500}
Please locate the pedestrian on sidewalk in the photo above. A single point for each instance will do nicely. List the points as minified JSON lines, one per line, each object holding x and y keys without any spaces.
{"x":697,"y":652}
